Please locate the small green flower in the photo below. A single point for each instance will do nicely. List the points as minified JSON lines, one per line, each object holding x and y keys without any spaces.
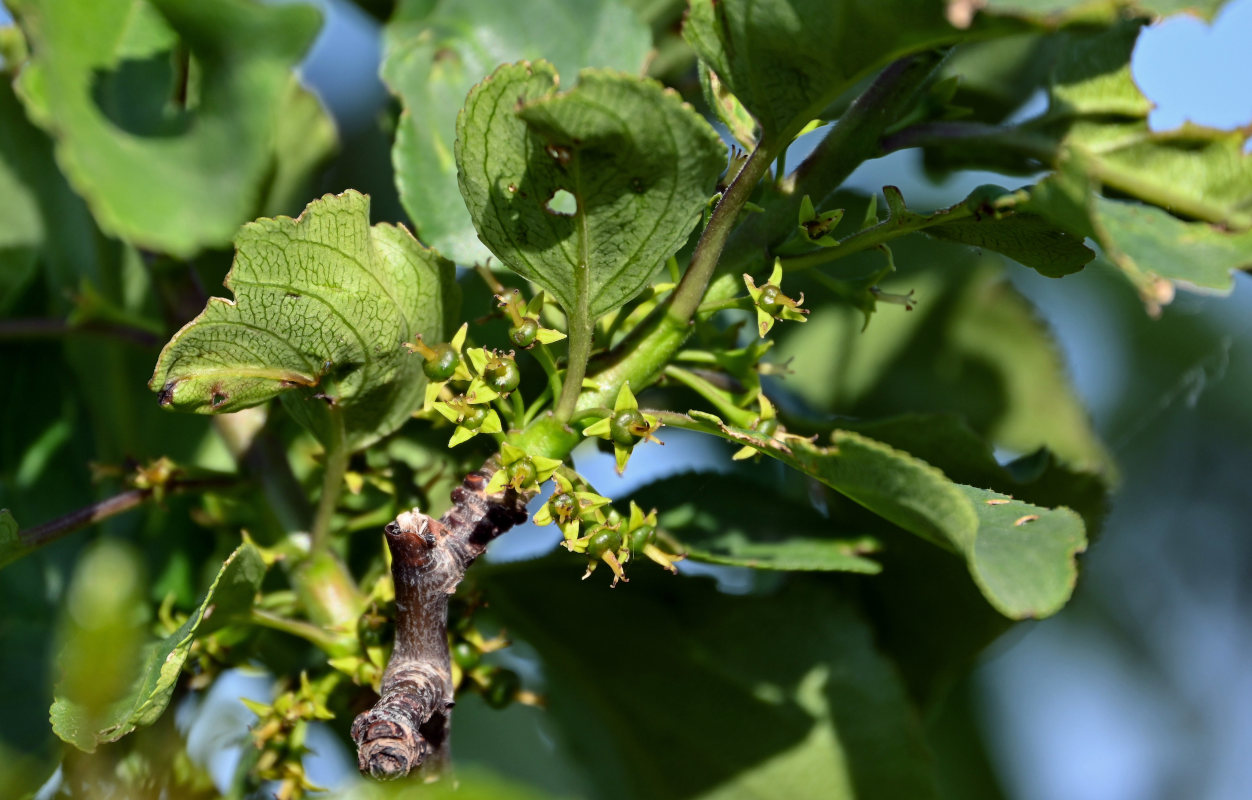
{"x":625,"y":427}
{"x":771,"y":303}
{"x":470,"y":418}
{"x":524,"y":473}
{"x":816,"y":228}
{"x":444,"y":363}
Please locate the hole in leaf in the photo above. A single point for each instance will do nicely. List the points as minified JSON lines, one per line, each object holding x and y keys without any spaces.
{"x":562,"y":203}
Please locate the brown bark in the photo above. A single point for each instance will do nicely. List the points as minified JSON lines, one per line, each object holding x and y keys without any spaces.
{"x":408,"y":727}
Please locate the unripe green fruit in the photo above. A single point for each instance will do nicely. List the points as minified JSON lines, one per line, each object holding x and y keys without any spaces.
{"x":502,"y":374}
{"x":466,"y":655}
{"x":767,"y":427}
{"x":623,"y":427}
{"x":505,"y":684}
{"x":474,"y":418}
{"x":641,"y":537}
{"x":770,"y":299}
{"x":443,"y":362}
{"x":522,"y":472}
{"x":563,"y":506}
{"x":524,"y":335}
{"x":603,"y":541}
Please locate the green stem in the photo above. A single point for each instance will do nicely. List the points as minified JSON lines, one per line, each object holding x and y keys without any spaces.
{"x":690,"y":292}
{"x":720,"y":399}
{"x":544,"y":356}
{"x":319,"y":637}
{"x":518,"y":416}
{"x":741,"y":303}
{"x":332,"y":482}
{"x":872,"y":237}
{"x":580,"y":331}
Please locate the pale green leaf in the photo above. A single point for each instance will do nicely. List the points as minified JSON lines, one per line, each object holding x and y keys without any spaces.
{"x":637,"y":164}
{"x":230,"y":595}
{"x":632,"y":673}
{"x":323,"y":302}
{"x":170,"y":154}
{"x":436,"y":52}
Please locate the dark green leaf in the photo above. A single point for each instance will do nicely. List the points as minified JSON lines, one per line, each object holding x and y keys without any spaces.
{"x":167,"y":159}
{"x":586,"y":192}
{"x":230,"y":595}
{"x":324,"y":302}
{"x":654,"y":683}
{"x":436,"y":52}
{"x":731,"y":519}
{"x":1028,"y":239}
{"x":786,"y":60}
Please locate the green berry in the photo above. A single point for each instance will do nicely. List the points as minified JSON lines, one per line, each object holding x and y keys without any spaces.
{"x":442,"y":363}
{"x":641,"y":537}
{"x":627,"y":426}
{"x":504,"y":686}
{"x":563,"y":506}
{"x":466,"y":655}
{"x":502,"y":375}
{"x":767,"y":427}
{"x":603,"y":541}
{"x":474,"y":418}
{"x":771,"y":299}
{"x":524,"y":334}
{"x":522,"y":472}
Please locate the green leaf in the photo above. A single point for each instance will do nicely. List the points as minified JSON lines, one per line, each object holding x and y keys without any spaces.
{"x":1024,"y":557}
{"x":1100,"y":119}
{"x":652,"y":687}
{"x":11,"y":547}
{"x":1028,"y":239}
{"x":436,"y":52}
{"x":976,"y":344}
{"x":170,"y":153}
{"x":1056,"y":12}
{"x":786,"y":60}
{"x":920,"y":499}
{"x":230,"y":596}
{"x":745,"y":523}
{"x":634,"y":165}
{"x":305,"y":138}
{"x":322,"y":302}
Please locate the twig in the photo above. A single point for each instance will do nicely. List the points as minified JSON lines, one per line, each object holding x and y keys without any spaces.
{"x":41,"y":535}
{"x":408,"y":727}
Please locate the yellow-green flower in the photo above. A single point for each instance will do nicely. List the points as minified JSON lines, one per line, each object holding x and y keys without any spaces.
{"x":771,"y":303}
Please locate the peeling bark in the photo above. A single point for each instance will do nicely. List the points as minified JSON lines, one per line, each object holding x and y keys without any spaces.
{"x":409,"y":725}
